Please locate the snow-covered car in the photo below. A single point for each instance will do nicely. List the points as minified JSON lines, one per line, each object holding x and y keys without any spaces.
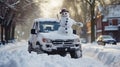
{"x":45,"y":38}
{"x":106,"y":39}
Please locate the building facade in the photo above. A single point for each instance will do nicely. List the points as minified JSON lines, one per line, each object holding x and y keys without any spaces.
{"x":108,"y":21}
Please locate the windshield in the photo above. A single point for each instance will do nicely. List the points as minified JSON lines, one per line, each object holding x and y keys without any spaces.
{"x":107,"y":37}
{"x":46,"y":26}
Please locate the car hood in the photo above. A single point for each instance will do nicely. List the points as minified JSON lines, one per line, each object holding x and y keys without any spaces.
{"x":55,"y":35}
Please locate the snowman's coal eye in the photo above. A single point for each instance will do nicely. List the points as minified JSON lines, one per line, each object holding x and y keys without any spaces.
{"x":65,"y":13}
{"x":65,"y":28}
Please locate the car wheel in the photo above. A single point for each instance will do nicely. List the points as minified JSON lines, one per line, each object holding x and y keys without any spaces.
{"x":76,"y":54}
{"x":104,"y":44}
{"x":114,"y":43}
{"x":39,"y":50}
{"x":101,"y":43}
{"x":30,"y":48}
{"x":63,"y":54}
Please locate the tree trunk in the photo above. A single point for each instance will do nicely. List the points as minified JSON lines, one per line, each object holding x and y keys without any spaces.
{"x":6,"y":34}
{"x":9,"y":21}
{"x":13,"y":31}
{"x":1,"y":33}
{"x":92,"y":6}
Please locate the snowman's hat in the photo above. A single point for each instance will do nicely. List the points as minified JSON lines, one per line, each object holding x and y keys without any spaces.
{"x":63,"y":10}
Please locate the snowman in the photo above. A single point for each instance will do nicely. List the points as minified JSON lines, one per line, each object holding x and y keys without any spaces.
{"x":66,"y":23}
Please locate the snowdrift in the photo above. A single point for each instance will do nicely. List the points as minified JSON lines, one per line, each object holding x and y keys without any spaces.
{"x":109,"y":54}
{"x":16,"y":55}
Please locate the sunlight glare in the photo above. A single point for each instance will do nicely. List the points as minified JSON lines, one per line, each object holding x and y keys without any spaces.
{"x":107,"y":1}
{"x":49,"y":8}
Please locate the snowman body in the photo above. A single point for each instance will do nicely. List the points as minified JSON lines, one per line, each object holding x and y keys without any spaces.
{"x":66,"y":25}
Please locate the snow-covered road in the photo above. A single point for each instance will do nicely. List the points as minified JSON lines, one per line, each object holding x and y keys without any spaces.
{"x":16,"y":55}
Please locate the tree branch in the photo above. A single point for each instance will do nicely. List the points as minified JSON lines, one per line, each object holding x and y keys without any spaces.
{"x":1,"y":17}
{"x":1,"y":1}
{"x":8,"y":5}
{"x":88,"y":2}
{"x":27,"y":1}
{"x":27,"y":5}
{"x":16,"y":3}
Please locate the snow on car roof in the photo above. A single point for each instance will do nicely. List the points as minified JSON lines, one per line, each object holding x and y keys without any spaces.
{"x":46,"y":19}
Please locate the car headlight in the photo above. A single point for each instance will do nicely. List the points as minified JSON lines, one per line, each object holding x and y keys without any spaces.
{"x":77,"y":40}
{"x":46,"y":40}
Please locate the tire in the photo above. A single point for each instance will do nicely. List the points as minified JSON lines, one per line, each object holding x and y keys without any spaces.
{"x":39,"y":50}
{"x":101,"y":43}
{"x":76,"y":54}
{"x":104,"y":44}
{"x":114,"y":43}
{"x":63,"y":54}
{"x":30,"y":48}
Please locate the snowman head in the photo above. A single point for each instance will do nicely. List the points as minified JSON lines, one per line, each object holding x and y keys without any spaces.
{"x":64,"y":12}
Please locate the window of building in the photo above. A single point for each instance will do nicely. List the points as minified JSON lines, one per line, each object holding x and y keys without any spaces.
{"x":111,"y":34}
{"x":119,"y":21}
{"x":110,"y":22}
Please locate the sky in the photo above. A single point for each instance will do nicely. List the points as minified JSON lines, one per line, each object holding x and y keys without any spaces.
{"x":49,"y":8}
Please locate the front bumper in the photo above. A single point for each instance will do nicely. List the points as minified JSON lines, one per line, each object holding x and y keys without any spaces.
{"x":60,"y":50}
{"x":112,"y":42}
{"x":61,"y":47}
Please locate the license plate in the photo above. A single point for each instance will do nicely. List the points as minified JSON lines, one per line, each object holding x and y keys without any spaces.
{"x":111,"y":42}
{"x":68,"y":45}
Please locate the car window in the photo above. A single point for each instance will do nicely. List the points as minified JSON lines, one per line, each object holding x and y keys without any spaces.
{"x":104,"y":37}
{"x":107,"y":37}
{"x":46,"y":26}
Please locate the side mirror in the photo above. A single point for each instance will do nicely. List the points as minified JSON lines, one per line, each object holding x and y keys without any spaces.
{"x":33,"y":31}
{"x":74,"y":31}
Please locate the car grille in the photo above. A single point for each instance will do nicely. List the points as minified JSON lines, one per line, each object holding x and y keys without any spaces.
{"x":57,"y":42}
{"x":111,"y":40}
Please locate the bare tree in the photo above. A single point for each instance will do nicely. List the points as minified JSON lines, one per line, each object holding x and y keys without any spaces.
{"x":92,"y":15}
{"x":12,"y":12}
{"x":89,"y":12}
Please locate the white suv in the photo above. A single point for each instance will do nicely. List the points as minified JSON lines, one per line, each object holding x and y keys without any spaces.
{"x":45,"y":38}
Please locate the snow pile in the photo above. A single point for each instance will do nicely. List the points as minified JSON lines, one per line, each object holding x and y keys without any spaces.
{"x":16,"y":55}
{"x":109,"y":54}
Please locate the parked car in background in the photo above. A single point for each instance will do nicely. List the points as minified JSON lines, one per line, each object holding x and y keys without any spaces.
{"x":83,"y":40}
{"x":106,"y":39}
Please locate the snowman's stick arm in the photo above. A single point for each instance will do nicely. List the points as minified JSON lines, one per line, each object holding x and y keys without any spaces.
{"x":78,"y":23}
